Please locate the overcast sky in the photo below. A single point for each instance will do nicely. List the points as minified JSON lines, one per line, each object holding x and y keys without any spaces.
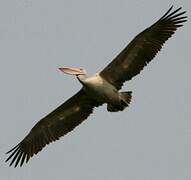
{"x":151,"y":140}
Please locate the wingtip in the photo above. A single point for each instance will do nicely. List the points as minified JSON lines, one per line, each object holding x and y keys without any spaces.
{"x":173,"y":14}
{"x":12,"y":149}
{"x":171,"y":7}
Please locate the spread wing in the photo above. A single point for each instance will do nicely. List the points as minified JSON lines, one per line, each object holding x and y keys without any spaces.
{"x":59,"y":122}
{"x":143,"y":48}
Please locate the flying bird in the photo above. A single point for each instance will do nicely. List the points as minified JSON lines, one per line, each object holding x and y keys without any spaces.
{"x":103,"y":87}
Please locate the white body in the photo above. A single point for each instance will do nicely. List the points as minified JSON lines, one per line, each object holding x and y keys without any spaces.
{"x":99,"y":88}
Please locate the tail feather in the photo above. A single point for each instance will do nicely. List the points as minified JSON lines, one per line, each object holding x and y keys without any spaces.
{"x":125,"y":99}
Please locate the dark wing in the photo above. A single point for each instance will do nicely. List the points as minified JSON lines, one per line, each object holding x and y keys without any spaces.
{"x":143,"y":48}
{"x":59,"y":122}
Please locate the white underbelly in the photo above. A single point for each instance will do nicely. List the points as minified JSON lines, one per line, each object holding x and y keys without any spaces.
{"x":100,"y":89}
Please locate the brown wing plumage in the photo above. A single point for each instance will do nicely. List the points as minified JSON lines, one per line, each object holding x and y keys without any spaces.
{"x":59,"y":122}
{"x":143,"y":48}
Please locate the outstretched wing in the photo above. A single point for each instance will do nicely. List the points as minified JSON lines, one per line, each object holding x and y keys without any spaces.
{"x":59,"y":122}
{"x":143,"y":48}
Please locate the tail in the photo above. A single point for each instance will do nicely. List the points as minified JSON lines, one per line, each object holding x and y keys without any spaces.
{"x":125,"y":99}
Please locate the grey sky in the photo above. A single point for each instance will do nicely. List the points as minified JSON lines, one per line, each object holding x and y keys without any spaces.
{"x":151,"y":140}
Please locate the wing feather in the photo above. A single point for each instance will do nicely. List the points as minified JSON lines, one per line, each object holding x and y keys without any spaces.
{"x":143,"y":48}
{"x":58,"y":123}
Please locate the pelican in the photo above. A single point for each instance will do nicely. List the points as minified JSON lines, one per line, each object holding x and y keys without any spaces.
{"x":103,"y":87}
